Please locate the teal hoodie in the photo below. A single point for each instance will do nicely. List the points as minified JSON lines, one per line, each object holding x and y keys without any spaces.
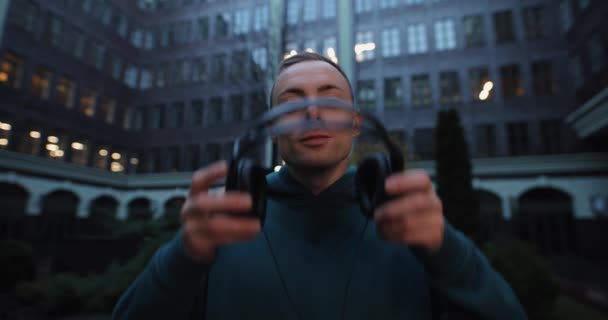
{"x":317,"y":258}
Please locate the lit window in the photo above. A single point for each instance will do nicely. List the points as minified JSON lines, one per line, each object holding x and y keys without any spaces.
{"x":56,"y":146}
{"x":365,"y":46}
{"x":87,"y":102}
{"x":65,"y":92}
{"x":41,"y":82}
{"x":11,"y":70}
{"x":80,"y":152}
{"x":5,"y":134}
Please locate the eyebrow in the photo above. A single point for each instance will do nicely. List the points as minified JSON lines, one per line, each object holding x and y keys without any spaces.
{"x":300,"y":92}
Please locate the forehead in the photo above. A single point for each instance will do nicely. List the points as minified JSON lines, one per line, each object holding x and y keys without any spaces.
{"x":310,"y":74}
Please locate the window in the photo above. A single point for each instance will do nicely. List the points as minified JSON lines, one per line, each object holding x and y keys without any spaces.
{"x":518,"y":138}
{"x":391,"y":44}
{"x":101,"y":158}
{"x":485,"y":135}
{"x":363,"y":6}
{"x":192,"y":157}
{"x":182,"y":72}
{"x":199,"y":70}
{"x":366,"y":94}
{"x":534,"y":22}
{"x":163,"y":72}
{"x":410,"y":2}
{"x":56,"y":146}
{"x":56,"y":31}
{"x":25,"y":15}
{"x":163,"y":35}
{"x":131,"y":73}
{"x":259,"y":62}
{"x":96,"y":55}
{"x":31,"y":141}
{"x":122,"y":26}
{"x":551,"y":136}
{"x":445,"y":37}
{"x":145,"y":80}
{"x":449,"y":88}
{"x":196,"y":114}
{"x":149,"y":40}
{"x":310,"y":45}
{"x":474,"y":31}
{"x":80,"y":152}
{"x":66,"y":92}
{"x":11,"y":70}
{"x":259,"y":103}
{"x":416,"y":38}
{"x":41,"y":80}
{"x":79,"y":44}
{"x":214,"y":115}
{"x":292,"y":11}
{"x":237,"y":105}
{"x":222,"y":23}
{"x":583,"y":4}
{"x":176,"y":115}
{"x":88,"y":100}
{"x":542,"y":78}
{"x":214,"y":152}
{"x":242,"y":21}
{"x":328,"y":9}
{"x":365,"y":46}
{"x":424,"y":143}
{"x":138,"y":120}
{"x":480,"y":84}
{"x":503,"y":27}
{"x":106,"y":110}
{"x":384,"y":4}
{"x":510,"y":77}
{"x":203,"y":28}
{"x":152,"y":162}
{"x":218,"y":68}
{"x":597,"y":53}
{"x":5,"y":133}
{"x":156,"y":117}
{"x":116,"y":65}
{"x":330,"y":49}
{"x":310,"y":10}
{"x":576,"y":70}
{"x":421,"y":90}
{"x":118,"y":162}
{"x":260,"y":18}
{"x":127,"y":119}
{"x":238,"y":65}
{"x":565,"y":12}
{"x":137,"y":37}
{"x":393,"y":93}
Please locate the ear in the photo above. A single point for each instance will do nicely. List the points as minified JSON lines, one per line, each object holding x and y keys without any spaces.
{"x":357,"y":121}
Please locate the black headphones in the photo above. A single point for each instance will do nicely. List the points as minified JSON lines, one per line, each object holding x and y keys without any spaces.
{"x":244,"y":174}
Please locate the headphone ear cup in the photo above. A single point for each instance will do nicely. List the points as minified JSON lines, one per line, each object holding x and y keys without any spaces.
{"x":369,"y":182}
{"x":252,"y":179}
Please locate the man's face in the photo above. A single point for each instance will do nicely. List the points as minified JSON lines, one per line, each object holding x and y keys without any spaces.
{"x":318,"y":148}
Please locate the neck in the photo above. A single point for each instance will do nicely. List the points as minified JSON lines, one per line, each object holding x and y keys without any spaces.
{"x":318,"y":179}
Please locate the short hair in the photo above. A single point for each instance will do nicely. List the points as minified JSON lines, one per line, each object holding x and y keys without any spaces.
{"x":308,"y":56}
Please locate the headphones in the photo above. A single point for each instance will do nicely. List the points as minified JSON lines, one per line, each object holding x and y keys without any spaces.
{"x":245,"y":174}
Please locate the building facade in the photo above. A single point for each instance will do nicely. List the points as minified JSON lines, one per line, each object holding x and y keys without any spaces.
{"x":112,"y":104}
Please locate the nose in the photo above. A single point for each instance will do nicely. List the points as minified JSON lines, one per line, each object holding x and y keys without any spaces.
{"x":313,"y":112}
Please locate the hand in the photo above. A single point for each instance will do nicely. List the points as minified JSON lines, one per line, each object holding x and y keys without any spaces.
{"x":205,"y":217}
{"x":414,"y":215}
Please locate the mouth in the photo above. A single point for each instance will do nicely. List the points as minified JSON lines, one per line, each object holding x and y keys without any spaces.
{"x":315,"y":139}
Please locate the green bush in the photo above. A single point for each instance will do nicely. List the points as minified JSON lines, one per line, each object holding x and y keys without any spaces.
{"x":528,"y":274}
{"x":66,"y":294}
{"x":18,"y":264}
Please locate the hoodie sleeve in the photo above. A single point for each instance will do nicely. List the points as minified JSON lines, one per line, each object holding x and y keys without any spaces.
{"x":461,"y":273}
{"x":172,"y":286}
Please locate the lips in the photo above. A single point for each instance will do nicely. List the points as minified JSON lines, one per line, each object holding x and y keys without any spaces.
{"x":315,"y":139}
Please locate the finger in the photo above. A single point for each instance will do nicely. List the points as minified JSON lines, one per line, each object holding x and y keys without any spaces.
{"x":204,"y":178}
{"x":408,"y":181}
{"x":413,"y":203}
{"x":230,"y":202}
{"x":224,"y":229}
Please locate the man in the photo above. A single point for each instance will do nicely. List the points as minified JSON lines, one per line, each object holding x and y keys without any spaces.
{"x":316,"y":257}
